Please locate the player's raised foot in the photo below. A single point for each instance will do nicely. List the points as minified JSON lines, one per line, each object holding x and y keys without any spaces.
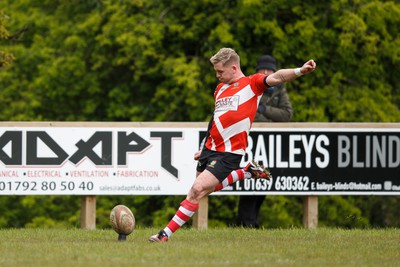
{"x":161,"y":237}
{"x":257,"y":171}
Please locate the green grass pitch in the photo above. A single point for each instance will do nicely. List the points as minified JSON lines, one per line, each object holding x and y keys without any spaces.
{"x":211,"y":247}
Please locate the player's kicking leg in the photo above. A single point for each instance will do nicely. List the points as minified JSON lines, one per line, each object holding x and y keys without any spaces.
{"x":203,"y":185}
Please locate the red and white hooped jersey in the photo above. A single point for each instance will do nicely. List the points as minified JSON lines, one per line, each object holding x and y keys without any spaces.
{"x":235,"y":108}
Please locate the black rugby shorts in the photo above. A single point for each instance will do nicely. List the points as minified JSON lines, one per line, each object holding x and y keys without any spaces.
{"x":221,"y":164}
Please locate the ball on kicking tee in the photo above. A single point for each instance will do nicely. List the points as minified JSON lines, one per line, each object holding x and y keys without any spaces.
{"x":122,"y":221}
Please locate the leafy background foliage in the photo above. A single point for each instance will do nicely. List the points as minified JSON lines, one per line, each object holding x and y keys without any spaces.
{"x":103,"y":60}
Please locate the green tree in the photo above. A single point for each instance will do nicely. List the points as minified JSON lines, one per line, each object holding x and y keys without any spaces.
{"x":148,"y":60}
{"x":5,"y":57}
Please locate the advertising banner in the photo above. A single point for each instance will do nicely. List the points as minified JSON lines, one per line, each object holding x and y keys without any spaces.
{"x":324,"y":162}
{"x":159,"y":161}
{"x":97,"y":161}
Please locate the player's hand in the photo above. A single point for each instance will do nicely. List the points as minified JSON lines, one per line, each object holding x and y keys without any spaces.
{"x":308,"y":67}
{"x":197,"y":155}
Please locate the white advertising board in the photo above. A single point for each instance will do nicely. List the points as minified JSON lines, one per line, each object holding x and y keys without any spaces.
{"x":97,"y":161}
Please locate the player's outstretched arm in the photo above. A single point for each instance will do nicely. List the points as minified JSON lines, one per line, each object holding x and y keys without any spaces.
{"x":287,"y":75}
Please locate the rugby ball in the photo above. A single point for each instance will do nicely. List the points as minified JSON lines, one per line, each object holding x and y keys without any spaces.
{"x":122,"y":220}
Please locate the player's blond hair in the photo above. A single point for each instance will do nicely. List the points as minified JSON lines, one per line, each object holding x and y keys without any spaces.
{"x":225,"y":56}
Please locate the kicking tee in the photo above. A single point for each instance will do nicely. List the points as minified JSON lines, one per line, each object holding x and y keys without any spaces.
{"x":235,"y":108}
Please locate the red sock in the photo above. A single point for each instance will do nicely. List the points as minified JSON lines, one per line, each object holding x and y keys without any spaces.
{"x":233,"y":177}
{"x":184,"y":213}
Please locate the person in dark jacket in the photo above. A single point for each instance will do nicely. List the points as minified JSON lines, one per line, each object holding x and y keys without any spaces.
{"x":274,"y":106}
